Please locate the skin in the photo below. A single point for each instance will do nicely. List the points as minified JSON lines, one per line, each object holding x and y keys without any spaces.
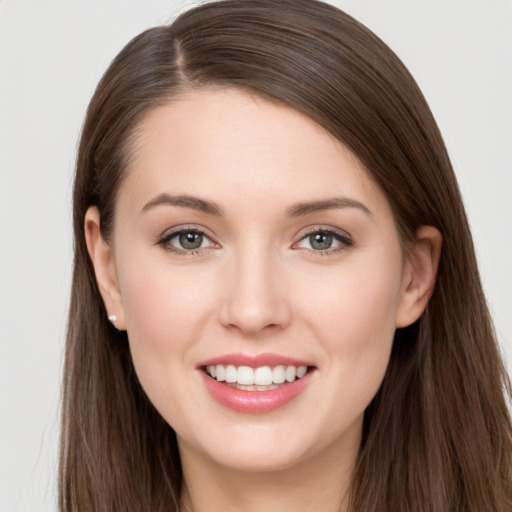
{"x":258,"y":285}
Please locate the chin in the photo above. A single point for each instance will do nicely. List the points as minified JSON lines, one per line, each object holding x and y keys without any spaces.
{"x":258,"y":457}
{"x":248,"y":446}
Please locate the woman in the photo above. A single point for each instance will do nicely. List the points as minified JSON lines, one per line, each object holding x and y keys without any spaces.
{"x":276,"y":303}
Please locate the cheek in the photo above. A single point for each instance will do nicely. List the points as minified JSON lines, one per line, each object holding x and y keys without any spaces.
{"x":165,"y":309}
{"x":366,"y":311}
{"x":354,"y":317}
{"x":354,"y":322}
{"x":354,"y":302}
{"x":162,"y":301}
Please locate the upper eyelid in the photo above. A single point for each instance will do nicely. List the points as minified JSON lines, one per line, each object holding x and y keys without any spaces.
{"x":322,"y":229}
{"x":176,"y":230}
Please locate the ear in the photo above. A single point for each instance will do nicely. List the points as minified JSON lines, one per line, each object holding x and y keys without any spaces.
{"x":419,"y":277}
{"x":102,"y":258}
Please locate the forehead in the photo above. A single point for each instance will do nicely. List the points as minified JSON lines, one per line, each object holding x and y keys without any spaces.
{"x":221,"y":141}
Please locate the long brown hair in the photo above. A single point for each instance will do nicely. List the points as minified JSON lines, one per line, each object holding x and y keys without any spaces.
{"x":437,"y":437}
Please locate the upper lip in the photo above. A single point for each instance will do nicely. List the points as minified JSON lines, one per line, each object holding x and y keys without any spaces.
{"x":254,"y":361}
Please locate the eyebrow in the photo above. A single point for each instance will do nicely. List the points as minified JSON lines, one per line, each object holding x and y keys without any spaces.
{"x":334,"y":203}
{"x":208,"y":207}
{"x":296,"y":210}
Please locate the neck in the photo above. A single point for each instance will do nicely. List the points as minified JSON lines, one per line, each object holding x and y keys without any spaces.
{"x":321,"y":482}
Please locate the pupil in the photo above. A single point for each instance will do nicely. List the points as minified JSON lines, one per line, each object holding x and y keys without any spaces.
{"x":191,"y":240}
{"x":320,"y":241}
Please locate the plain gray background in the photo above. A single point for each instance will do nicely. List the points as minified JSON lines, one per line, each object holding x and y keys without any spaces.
{"x":52,"y":54}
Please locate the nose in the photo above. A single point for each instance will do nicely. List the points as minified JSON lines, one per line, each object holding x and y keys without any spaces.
{"x":256,"y":299}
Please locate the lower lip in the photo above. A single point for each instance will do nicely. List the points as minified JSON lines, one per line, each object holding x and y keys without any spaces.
{"x":255,"y":401}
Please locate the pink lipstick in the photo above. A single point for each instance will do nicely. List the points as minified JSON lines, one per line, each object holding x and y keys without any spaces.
{"x":255,"y":383}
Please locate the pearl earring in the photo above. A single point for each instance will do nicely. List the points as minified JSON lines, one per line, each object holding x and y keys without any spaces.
{"x":113,"y":318}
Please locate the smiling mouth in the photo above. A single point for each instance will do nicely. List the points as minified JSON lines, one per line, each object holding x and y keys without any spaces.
{"x":262,"y":378}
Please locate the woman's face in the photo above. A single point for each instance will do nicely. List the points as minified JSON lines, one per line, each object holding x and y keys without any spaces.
{"x":247,"y":237}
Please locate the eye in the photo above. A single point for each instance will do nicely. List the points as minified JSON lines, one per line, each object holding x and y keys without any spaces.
{"x":322,"y":240}
{"x":186,"y":241}
{"x":189,"y":240}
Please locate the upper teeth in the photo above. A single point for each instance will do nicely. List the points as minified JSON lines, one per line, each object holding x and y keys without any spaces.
{"x":261,"y":376}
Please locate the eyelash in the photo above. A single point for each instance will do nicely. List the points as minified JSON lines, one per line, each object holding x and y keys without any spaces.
{"x":345,"y":241}
{"x":165,"y":240}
